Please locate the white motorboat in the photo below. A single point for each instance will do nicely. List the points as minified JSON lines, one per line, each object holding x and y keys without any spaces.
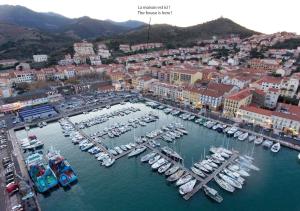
{"x":147,"y":157}
{"x":237,"y":134}
{"x":275,"y":147}
{"x":243,"y":136}
{"x":198,"y":172}
{"x":164,"y":168}
{"x":258,"y":140}
{"x":230,"y":181}
{"x":184,"y":179}
{"x":232,"y":131}
{"x":226,"y":186}
{"x":187,"y":187}
{"x":251,"y":138}
{"x":234,"y":175}
{"x":154,"y":159}
{"x":267,"y":143}
{"x":158,"y":164}
{"x":175,"y":176}
{"x":172,"y":170}
{"x":137,"y":151}
{"x":108,"y":162}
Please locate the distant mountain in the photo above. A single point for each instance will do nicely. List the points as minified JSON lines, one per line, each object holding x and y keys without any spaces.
{"x":129,"y":24}
{"x":24,"y":32}
{"x":22,"y":16}
{"x":83,"y":27}
{"x":221,"y":27}
{"x":86,"y":27}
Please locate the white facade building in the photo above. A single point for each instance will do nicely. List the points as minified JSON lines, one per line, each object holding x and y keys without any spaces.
{"x":40,"y":58}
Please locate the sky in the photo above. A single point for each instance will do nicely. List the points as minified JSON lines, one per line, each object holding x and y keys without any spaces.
{"x":266,"y":16}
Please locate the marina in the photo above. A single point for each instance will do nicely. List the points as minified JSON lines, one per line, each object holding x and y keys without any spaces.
{"x":125,"y":166}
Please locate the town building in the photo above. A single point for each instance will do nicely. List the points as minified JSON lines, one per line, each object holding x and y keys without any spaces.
{"x":83,"y":51}
{"x":181,"y":76}
{"x":233,"y":102}
{"x":124,"y":47}
{"x":27,"y":76}
{"x":255,"y":115}
{"x":40,"y":58}
{"x":5,"y":63}
{"x":271,"y":98}
{"x":266,"y":64}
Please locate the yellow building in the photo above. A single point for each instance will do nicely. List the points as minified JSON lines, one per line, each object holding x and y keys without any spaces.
{"x":233,"y":102}
{"x":191,"y":95}
{"x":185,"y":76}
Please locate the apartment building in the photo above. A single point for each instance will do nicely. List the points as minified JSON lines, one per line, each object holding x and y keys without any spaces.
{"x":233,"y":102}
{"x":184,"y":76}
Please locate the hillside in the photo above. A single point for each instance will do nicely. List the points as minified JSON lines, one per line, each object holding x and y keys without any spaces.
{"x":221,"y":27}
{"x":24,"y":32}
{"x":131,"y":24}
{"x":22,"y":16}
{"x":21,"y":42}
{"x":288,"y":44}
{"x":84,"y":27}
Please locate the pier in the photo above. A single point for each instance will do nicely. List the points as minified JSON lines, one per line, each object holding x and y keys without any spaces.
{"x":202,"y":181}
{"x":103,"y":148}
{"x":211,"y":176}
{"x":89,"y":138}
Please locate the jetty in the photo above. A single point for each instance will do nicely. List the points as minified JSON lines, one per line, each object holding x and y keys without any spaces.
{"x":102,"y":147}
{"x":201,"y":181}
{"x":211,"y":176}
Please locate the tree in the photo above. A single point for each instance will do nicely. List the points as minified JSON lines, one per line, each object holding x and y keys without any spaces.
{"x":22,"y":87}
{"x":254,"y":53}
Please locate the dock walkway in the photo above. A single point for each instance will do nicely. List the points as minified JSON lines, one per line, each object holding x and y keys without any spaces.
{"x":211,"y":176}
{"x":203,"y":181}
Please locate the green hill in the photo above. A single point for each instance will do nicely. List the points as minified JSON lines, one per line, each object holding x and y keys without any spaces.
{"x":221,"y":27}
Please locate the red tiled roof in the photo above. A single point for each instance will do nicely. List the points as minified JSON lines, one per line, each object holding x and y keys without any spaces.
{"x":211,"y":93}
{"x":269,"y":79}
{"x":240,"y":95}
{"x":222,"y":88}
{"x":257,"y":110}
{"x":286,"y":116}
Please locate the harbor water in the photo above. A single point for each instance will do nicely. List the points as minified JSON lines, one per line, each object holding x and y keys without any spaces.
{"x":132,"y":185}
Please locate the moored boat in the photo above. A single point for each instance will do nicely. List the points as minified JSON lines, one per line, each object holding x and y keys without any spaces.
{"x":184,"y":179}
{"x":40,"y":173}
{"x":226,"y":186}
{"x":61,"y":167}
{"x":198,"y":172}
{"x":276,"y":147}
{"x":137,"y":151}
{"x":187,"y":187}
{"x":164,"y":168}
{"x":172,"y":170}
{"x":175,"y":176}
{"x":213,"y":194}
{"x":147,"y":157}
